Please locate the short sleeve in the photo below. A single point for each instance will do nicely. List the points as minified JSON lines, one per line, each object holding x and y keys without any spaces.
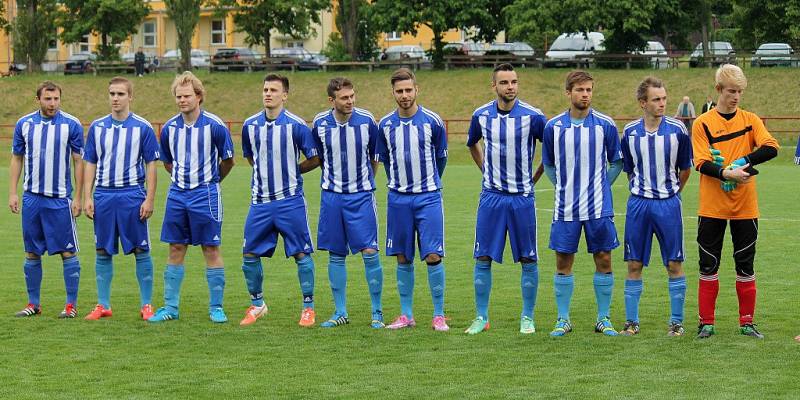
{"x":537,"y":127}
{"x":373,"y":139}
{"x":612,"y":143}
{"x":76,"y":137}
{"x":18,"y":143}
{"x":222,"y":141}
{"x":317,"y":140}
{"x":627,"y":159}
{"x":440,"y":139}
{"x":700,"y":143}
{"x":90,"y":150}
{"x":475,"y":132}
{"x":548,"y":158}
{"x":761,"y":134}
{"x":247,"y":148}
{"x":150,"y":150}
{"x":303,"y":138}
{"x":166,"y":154}
{"x":381,"y":147}
{"x":684,"y":151}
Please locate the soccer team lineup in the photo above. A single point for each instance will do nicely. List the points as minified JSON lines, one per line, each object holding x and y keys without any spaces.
{"x":108,"y":173}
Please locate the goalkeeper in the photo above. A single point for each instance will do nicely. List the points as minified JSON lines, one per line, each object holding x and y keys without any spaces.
{"x":728,"y":142}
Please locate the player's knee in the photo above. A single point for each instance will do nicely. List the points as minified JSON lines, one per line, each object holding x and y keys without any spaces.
{"x":602,"y":261}
{"x":675,"y":268}
{"x":33,"y":256}
{"x":433,"y":259}
{"x":707,"y":268}
{"x":401,"y":259}
{"x":745,"y":269}
{"x":526,"y":260}
{"x":635,"y":269}
{"x":485,"y":258}
{"x":299,"y":256}
{"x":67,"y":254}
{"x":369,"y":252}
{"x":102,"y":252}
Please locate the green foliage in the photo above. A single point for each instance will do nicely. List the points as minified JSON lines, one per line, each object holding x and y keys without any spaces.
{"x":185,"y":14}
{"x":335,"y":49}
{"x":3,"y":21}
{"x":764,"y":21}
{"x":358,"y":35}
{"x":32,"y":30}
{"x":113,"y":20}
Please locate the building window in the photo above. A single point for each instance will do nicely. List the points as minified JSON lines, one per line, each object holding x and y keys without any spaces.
{"x":52,"y":44}
{"x":393,"y":35}
{"x":149,"y":34}
{"x":83,"y":46}
{"x":218,"y":31}
{"x":294,"y":44}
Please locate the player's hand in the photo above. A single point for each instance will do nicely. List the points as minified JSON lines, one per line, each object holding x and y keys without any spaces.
{"x":13,"y":203}
{"x":146,"y":210}
{"x":716,"y":157}
{"x":88,"y":208}
{"x":76,"y":209}
{"x":736,"y":173}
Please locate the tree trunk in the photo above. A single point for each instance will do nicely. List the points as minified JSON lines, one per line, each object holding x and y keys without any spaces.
{"x":268,"y":43}
{"x":438,"y":50}
{"x":33,"y":6}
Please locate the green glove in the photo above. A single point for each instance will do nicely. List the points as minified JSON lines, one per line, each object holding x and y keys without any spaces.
{"x":729,"y":186}
{"x":716,"y":157}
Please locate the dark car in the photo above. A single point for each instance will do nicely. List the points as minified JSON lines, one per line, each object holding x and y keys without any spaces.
{"x":298,"y":56}
{"x":235,"y":58}
{"x":80,"y":63}
{"x":721,"y":53}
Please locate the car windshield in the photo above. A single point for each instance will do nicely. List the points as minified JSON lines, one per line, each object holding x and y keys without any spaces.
{"x":772,"y":49}
{"x":569,"y":43}
{"x":78,"y":57}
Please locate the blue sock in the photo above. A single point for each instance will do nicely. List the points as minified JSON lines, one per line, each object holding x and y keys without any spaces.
{"x":603,"y":286}
{"x":216,"y":286}
{"x":563,"y":285}
{"x":483,"y":287}
{"x":104,"y":272}
{"x":72,"y":278}
{"x":530,"y":285}
{"x":677,"y":294}
{"x":173,"y":277}
{"x":405,"y":286}
{"x":374,"y":273}
{"x":144,"y":275}
{"x":436,"y":283}
{"x":633,"y":291}
{"x":305,"y":274}
{"x":254,"y":278}
{"x":337,"y":275}
{"x":33,"y":279}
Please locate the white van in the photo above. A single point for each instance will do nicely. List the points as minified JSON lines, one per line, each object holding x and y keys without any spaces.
{"x":567,"y":47}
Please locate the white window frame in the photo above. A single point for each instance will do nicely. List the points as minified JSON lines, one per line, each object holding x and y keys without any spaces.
{"x":218,"y":32}
{"x":146,"y":35}
{"x":394,"y":35}
{"x":54,"y":39}
{"x":83,"y":46}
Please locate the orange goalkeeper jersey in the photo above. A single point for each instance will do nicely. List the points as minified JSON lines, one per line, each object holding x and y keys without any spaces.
{"x":735,"y":139}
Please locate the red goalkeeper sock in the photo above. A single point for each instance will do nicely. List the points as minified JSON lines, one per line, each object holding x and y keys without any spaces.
{"x":746,"y":292}
{"x":707,"y":292}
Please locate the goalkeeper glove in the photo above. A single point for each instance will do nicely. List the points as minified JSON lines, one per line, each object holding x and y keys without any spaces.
{"x":716,"y":157}
{"x":729,"y":186}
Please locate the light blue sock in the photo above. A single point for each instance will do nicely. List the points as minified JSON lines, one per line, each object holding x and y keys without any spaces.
{"x":254,"y":278}
{"x":173,"y":278}
{"x":603,"y":286}
{"x":216,"y":286}
{"x":337,"y":275}
{"x":633,"y":292}
{"x":104,"y":273}
{"x":144,"y":274}
{"x":405,"y":286}
{"x":305,"y":274}
{"x":530,"y":285}
{"x":72,"y":278}
{"x":563,"y":285}
{"x":677,"y":295}
{"x":483,"y":287}
{"x":436,"y":283}
{"x":374,"y":273}
{"x":33,"y":279}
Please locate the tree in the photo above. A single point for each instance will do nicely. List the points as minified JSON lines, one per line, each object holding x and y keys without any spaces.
{"x":185,"y":14}
{"x":113,"y":20}
{"x":358,"y":36}
{"x":3,"y":21}
{"x":32,"y":29}
{"x":257,"y":18}
{"x":766,"y":21}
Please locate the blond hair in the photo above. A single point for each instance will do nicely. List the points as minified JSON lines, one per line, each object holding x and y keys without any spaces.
{"x":730,"y":75}
{"x":187,"y":78}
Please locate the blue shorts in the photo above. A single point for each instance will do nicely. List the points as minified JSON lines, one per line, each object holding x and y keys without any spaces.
{"x":662,"y":217}
{"x":500,"y":213}
{"x":414,"y":218}
{"x":347,"y":221}
{"x":116,"y":219}
{"x":47,"y":224}
{"x":601,"y":235}
{"x":193,"y":216}
{"x":286,"y":217}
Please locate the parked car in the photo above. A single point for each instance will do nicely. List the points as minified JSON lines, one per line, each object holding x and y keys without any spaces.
{"x":235,"y":58}
{"x":465,"y":48}
{"x":405,"y":52}
{"x":150,"y":64}
{"x":774,"y":54}
{"x":200,"y":58}
{"x":659,"y":58}
{"x":80,"y":63}
{"x":298,"y":56}
{"x":720,"y":53}
{"x":568,"y":47}
{"x":516,"y":48}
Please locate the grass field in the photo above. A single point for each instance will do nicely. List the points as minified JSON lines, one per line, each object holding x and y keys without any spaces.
{"x":123,"y":357}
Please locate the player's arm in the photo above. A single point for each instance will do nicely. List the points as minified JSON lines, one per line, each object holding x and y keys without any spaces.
{"x":683,"y":176}
{"x":89,"y":171}
{"x":168,"y":167}
{"x":474,"y":136}
{"x":309,"y":164}
{"x":538,"y":173}
{"x":77,"y":163}
{"x":146,"y":210}
{"x":14,"y":172}
{"x":225,"y":167}
{"x":476,"y":151}
{"x":250,"y":160}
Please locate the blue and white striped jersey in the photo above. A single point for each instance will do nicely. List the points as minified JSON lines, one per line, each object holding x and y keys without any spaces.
{"x":346,"y":151}
{"x":195,"y":150}
{"x":580,"y":153}
{"x":411,"y":147}
{"x":653,"y":159}
{"x":510,"y":141}
{"x":120,"y":149}
{"x":275,"y":148}
{"x":47,"y":145}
